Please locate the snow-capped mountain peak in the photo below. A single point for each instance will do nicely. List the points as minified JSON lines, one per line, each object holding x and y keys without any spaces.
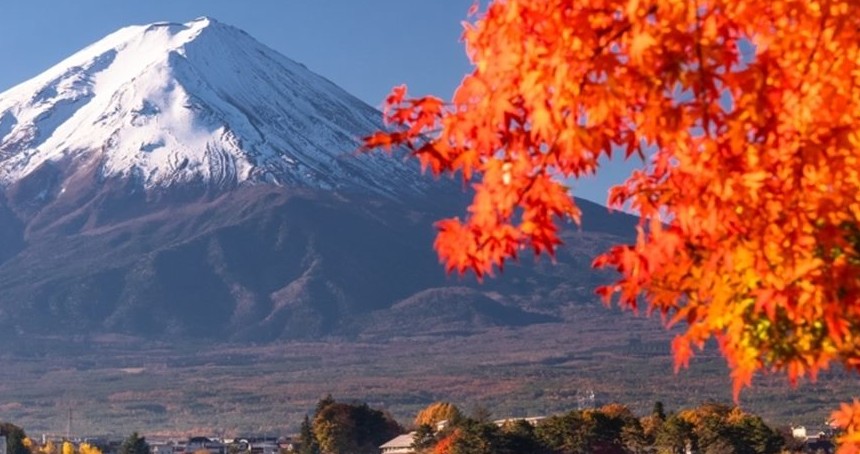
{"x":170,"y":103}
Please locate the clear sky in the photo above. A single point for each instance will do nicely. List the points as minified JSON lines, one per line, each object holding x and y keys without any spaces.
{"x":365,"y":46}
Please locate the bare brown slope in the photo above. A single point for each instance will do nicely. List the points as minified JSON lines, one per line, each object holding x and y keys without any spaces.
{"x":254,"y":263}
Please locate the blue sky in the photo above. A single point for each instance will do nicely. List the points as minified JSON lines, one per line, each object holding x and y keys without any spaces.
{"x":365,"y":46}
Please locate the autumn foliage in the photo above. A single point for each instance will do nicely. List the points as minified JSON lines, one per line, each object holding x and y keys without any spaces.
{"x":437,"y":412}
{"x":749,"y":115}
{"x":848,"y":417}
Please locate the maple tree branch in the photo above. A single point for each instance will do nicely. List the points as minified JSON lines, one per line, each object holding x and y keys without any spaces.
{"x":701,"y":95}
{"x":603,"y":44}
{"x":618,"y":34}
{"x":522,"y":193}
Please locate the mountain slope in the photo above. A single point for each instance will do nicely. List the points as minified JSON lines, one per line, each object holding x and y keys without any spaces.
{"x":264,"y":263}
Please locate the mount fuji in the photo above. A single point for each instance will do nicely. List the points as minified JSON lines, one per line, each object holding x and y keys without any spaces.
{"x":200,"y":102}
{"x":186,"y":181}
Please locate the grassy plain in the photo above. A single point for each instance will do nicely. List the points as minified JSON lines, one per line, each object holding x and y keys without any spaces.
{"x":115,"y":385}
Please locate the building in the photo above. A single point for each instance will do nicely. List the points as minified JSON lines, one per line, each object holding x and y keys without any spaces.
{"x":2,"y":445}
{"x":799,"y":432}
{"x":401,"y":444}
{"x":264,"y":447}
{"x":811,"y":433}
{"x":817,"y":439}
{"x":287,"y":444}
{"x":200,"y":445}
{"x":161,"y":448}
{"x":533,"y":420}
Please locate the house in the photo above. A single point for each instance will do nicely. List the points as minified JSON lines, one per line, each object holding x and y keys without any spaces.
{"x":161,"y":448}
{"x":534,"y":420}
{"x":265,"y":447}
{"x":256,"y":445}
{"x":798,"y":432}
{"x":811,"y":433}
{"x":287,"y":444}
{"x":197,"y":444}
{"x":817,"y":439}
{"x":401,"y":444}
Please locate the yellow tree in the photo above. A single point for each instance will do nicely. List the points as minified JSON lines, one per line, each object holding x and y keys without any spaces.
{"x":749,"y":114}
{"x":48,"y":448}
{"x":436,"y":413}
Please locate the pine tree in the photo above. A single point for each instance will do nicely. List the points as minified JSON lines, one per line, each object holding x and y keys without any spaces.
{"x":134,"y":444}
{"x":659,"y":411}
{"x":309,"y":444}
{"x":14,"y":438}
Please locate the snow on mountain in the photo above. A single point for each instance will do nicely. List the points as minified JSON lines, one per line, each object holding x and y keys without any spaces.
{"x":202,"y":102}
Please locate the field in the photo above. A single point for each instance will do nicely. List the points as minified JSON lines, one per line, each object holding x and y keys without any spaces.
{"x":116,"y":385}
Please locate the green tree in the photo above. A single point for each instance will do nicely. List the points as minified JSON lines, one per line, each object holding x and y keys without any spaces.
{"x":134,"y":444}
{"x":424,"y":438}
{"x":674,"y":435}
{"x":650,"y":427}
{"x":14,"y":438}
{"x":477,"y":437}
{"x":558,"y":433}
{"x":583,"y":432}
{"x":342,"y":428}
{"x":633,"y":437}
{"x":519,"y":437}
{"x":601,"y":433}
{"x":757,"y":437}
{"x":714,"y":435}
{"x":622,"y":429}
{"x":723,"y":429}
{"x":308,"y":441}
{"x":658,"y":411}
